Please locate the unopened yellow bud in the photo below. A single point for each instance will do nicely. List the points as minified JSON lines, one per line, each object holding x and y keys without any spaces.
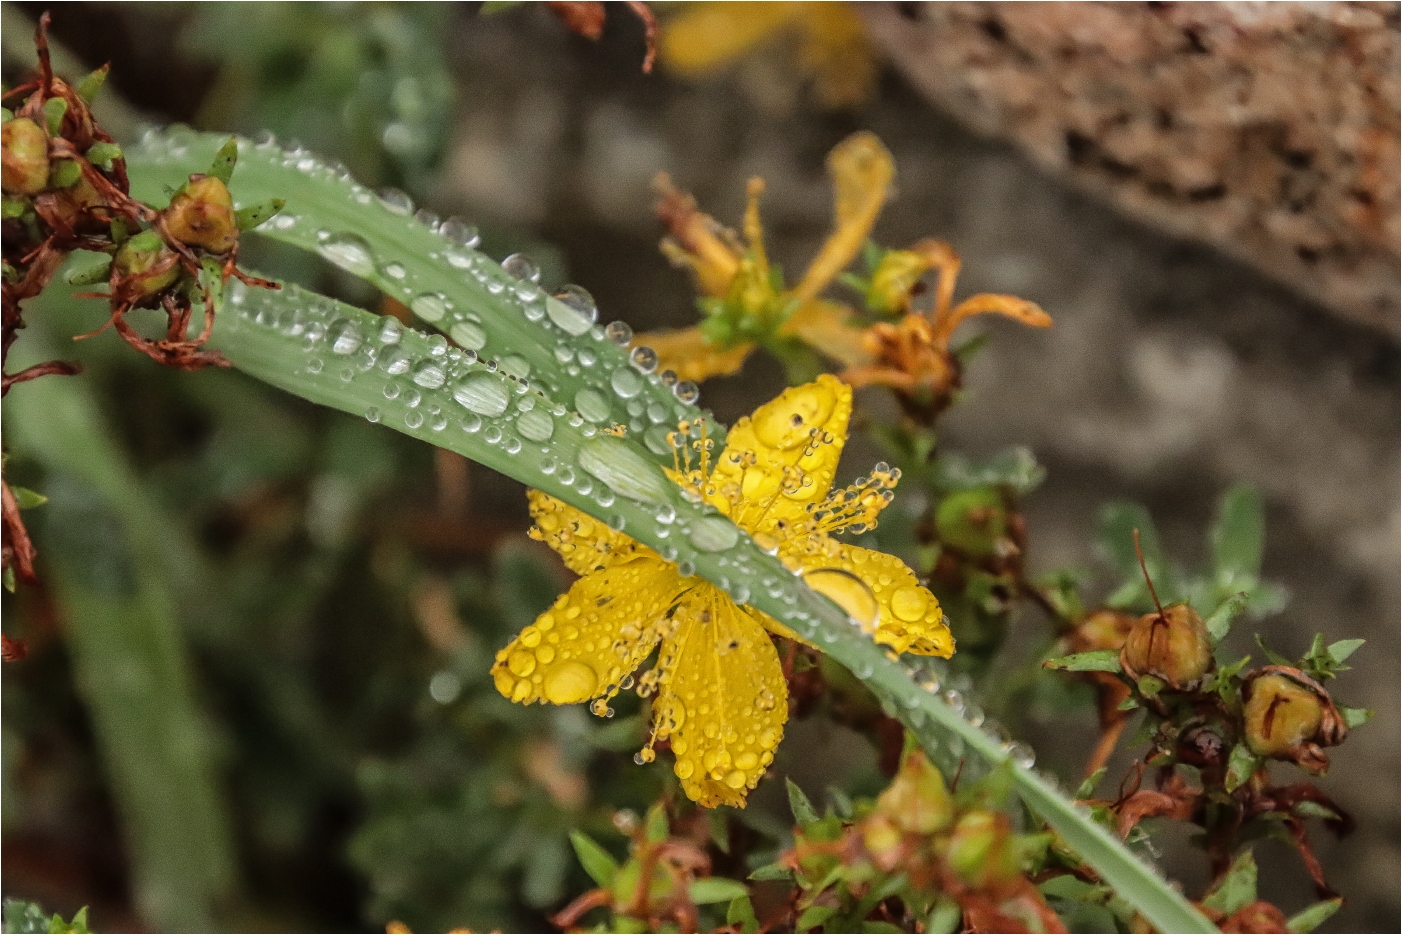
{"x":1172,"y":646}
{"x":917,"y":800}
{"x":893,"y":279}
{"x":26,"y":157}
{"x":144,"y":265}
{"x":981,"y":850}
{"x":203,"y":216}
{"x":1289,"y":716}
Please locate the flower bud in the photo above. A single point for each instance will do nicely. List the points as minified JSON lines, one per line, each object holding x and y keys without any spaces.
{"x":981,"y":850}
{"x":973,"y":521}
{"x":893,"y":279}
{"x":26,"y":157}
{"x":917,"y":800}
{"x":144,"y":266}
{"x":1172,"y":645}
{"x":203,"y":216}
{"x":883,"y":841}
{"x":1289,"y":716}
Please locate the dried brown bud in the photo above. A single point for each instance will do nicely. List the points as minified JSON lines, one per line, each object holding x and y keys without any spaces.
{"x":1289,"y":716}
{"x":1171,"y":645}
{"x":26,"y":157}
{"x":203,"y":216}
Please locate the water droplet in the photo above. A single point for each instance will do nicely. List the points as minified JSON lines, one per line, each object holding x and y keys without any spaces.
{"x":847,"y":591}
{"x":619,"y":333}
{"x":591,"y":405}
{"x":469,"y":335}
{"x":973,"y":714}
{"x":626,"y":383}
{"x":713,"y":534}
{"x":472,"y":423}
{"x":344,"y":336}
{"x":372,"y":414}
{"x":535,"y":425}
{"x":395,"y":361}
{"x":396,"y":201}
{"x":687,"y":392}
{"x":656,"y":413}
{"x":394,"y":270}
{"x":413,"y":418}
{"x":626,"y":472}
{"x":686,"y":569}
{"x":573,"y":310}
{"x":283,"y":222}
{"x":569,"y":682}
{"x":314,"y":365}
{"x":644,"y":358}
{"x":516,"y":366}
{"x":350,"y":252}
{"x":520,"y":266}
{"x":429,"y":375}
{"x":437,"y":345}
{"x":482,"y":394}
{"x":391,"y":390}
{"x":910,"y":603}
{"x":429,"y":306}
{"x":656,"y":440}
{"x":458,"y":231}
{"x":390,"y":330}
{"x":587,"y":357}
{"x":444,"y":687}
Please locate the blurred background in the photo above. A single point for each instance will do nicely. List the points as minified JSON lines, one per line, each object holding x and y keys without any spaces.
{"x":256,"y":693}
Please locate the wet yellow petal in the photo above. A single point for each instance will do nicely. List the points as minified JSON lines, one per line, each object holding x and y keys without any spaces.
{"x":825,"y":327}
{"x":722,"y":699}
{"x":704,"y":36}
{"x":907,"y":616}
{"x":784,"y":457}
{"x":689,"y":354}
{"x":985,"y":303}
{"x":838,"y":53}
{"x":594,"y":635}
{"x":862,"y":170}
{"x":585,"y":543}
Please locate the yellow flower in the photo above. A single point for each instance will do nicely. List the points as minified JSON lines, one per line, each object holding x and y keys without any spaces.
{"x":721,"y":699}
{"x":744,"y":302}
{"x":832,"y":42}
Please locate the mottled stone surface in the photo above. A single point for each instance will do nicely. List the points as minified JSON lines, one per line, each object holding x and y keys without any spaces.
{"x":1269,"y":130}
{"x":1171,"y":372}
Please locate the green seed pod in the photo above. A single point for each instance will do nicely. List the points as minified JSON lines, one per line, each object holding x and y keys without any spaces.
{"x":26,"y":157}
{"x":1289,"y":716}
{"x":203,"y":216}
{"x":1172,"y":646}
{"x":145,"y":266}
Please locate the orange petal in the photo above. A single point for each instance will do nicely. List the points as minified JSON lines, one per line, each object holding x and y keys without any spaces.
{"x":987,"y":303}
{"x":689,"y":354}
{"x":862,"y":170}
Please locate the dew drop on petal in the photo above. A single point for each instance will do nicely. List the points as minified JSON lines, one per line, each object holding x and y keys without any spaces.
{"x":910,"y":603}
{"x":847,"y":591}
{"x":569,"y":683}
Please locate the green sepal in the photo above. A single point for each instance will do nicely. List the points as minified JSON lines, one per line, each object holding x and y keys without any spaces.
{"x":1241,"y":764}
{"x":774,"y":871}
{"x":1237,"y":889}
{"x":120,"y":234}
{"x":253,"y":215}
{"x":1097,"y":660}
{"x":222,"y":168}
{"x":1219,"y":622}
{"x":90,"y":269}
{"x":102,"y":153}
{"x":54,"y":110}
{"x":741,"y":912}
{"x":15,"y":208}
{"x":6,"y":115}
{"x":26,"y":498}
{"x":9,"y":578}
{"x":92,"y":82}
{"x":803,"y":811}
{"x":657,"y":828}
{"x":1312,"y":918}
{"x":1355,"y":717}
{"x":65,"y":172}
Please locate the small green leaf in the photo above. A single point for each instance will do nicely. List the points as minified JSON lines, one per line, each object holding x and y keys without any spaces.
{"x":1308,"y":809}
{"x":15,"y":208}
{"x":716,"y":890}
{"x":91,"y":83}
{"x":102,"y":153}
{"x":1238,"y":536}
{"x":250,"y":217}
{"x":1355,"y":717}
{"x":27,"y":499}
{"x":6,"y":115}
{"x":1273,"y":656}
{"x":1241,"y":764}
{"x":741,"y":912}
{"x":718,"y":820}
{"x":9,"y":578}
{"x":1086,"y":789}
{"x":1343,"y":649}
{"x":813,"y":916}
{"x":657,"y":827}
{"x":774,"y":871}
{"x":597,"y":862}
{"x":1129,"y":704}
{"x":54,"y":109}
{"x":222,"y":168}
{"x":1097,"y":660}
{"x":803,"y":811}
{"x":1219,"y":622}
{"x":88,"y":269}
{"x":65,"y":173}
{"x":945,"y":917}
{"x":1315,"y":916}
{"x":1149,"y":685}
{"x":1238,"y":887}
